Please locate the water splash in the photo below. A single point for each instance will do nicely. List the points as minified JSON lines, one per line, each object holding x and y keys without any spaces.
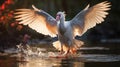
{"x":26,"y":52}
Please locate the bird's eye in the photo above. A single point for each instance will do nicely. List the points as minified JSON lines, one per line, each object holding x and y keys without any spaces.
{"x":58,"y":15}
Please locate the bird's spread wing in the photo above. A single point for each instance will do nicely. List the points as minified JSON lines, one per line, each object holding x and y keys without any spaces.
{"x":89,"y":17}
{"x":38,"y":20}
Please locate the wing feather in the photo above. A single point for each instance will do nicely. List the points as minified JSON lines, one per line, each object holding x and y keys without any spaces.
{"x":89,"y":17}
{"x":38,"y":20}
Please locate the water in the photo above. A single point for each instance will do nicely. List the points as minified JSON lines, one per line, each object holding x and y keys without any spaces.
{"x":95,"y":56}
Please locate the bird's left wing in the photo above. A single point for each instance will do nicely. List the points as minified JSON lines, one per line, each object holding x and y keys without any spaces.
{"x":89,"y":17}
{"x":38,"y":20}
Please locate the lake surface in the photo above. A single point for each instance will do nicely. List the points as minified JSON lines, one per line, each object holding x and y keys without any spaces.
{"x":94,"y":56}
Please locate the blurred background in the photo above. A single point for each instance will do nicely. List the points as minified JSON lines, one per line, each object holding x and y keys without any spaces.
{"x":11,"y":33}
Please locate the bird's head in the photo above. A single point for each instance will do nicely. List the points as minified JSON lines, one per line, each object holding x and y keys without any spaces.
{"x":60,"y":15}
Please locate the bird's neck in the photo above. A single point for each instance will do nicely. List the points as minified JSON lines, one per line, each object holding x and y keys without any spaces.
{"x":62,"y":26}
{"x":62,"y":20}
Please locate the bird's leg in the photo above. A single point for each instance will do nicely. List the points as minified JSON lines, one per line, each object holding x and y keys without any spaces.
{"x":68,"y":50}
{"x":66,"y":53}
{"x":61,"y":51}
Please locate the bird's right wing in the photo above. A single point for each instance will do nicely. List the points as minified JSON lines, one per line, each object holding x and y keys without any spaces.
{"x":38,"y":20}
{"x":89,"y":17}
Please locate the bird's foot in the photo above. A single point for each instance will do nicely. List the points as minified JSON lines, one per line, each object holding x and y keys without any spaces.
{"x":60,"y":55}
{"x":64,"y":55}
{"x":61,"y":51}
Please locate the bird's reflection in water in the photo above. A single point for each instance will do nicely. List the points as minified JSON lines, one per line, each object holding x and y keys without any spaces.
{"x":51,"y":62}
{"x":71,"y":63}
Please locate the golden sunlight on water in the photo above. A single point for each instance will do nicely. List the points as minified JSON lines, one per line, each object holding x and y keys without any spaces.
{"x":50,"y":63}
{"x":38,"y":63}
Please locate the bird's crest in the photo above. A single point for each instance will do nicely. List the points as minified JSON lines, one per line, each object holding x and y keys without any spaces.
{"x":64,"y":13}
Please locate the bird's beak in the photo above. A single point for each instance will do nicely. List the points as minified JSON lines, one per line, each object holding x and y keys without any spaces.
{"x":57,"y":18}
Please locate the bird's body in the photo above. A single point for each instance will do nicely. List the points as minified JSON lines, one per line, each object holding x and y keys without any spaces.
{"x":65,"y":34}
{"x":44,"y":23}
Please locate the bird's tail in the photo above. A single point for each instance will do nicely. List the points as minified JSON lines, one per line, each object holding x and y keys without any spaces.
{"x":73,"y":48}
{"x":76,"y":45}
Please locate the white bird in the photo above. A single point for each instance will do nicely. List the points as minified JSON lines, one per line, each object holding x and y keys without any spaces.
{"x":44,"y":23}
